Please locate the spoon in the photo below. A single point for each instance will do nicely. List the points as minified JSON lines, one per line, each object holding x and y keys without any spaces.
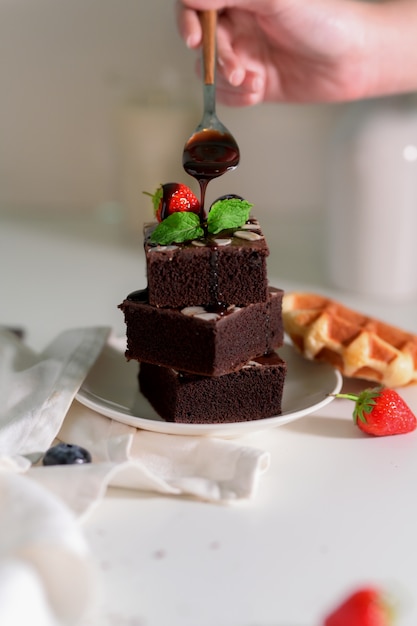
{"x":211,"y":150}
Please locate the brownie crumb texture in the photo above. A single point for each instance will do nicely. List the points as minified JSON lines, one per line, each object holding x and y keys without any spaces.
{"x":253,"y":392}
{"x":206,"y":329}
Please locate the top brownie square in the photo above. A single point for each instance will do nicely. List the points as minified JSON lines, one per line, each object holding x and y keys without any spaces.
{"x":228,"y":268}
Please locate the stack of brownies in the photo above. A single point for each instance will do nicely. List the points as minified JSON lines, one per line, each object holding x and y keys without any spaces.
{"x":206,"y":329}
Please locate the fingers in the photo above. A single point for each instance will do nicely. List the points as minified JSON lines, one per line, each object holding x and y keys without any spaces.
{"x":204,"y":5}
{"x":250,"y":91}
{"x":245,"y":81}
{"x":188,"y":25}
{"x":230,"y":65}
{"x":237,"y":84}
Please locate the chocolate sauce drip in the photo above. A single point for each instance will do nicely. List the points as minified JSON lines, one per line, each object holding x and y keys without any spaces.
{"x":207,"y":155}
{"x":220,"y":308}
{"x":268,"y":327}
{"x":269,"y":358}
{"x":141,"y":295}
{"x":214,"y":276}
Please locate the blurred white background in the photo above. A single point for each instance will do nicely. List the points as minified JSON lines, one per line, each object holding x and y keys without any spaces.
{"x":97,"y":100}
{"x":87,"y":90}
{"x":99,"y":97}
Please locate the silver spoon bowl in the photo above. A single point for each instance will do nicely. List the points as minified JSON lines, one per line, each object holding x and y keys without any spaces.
{"x":211,"y":151}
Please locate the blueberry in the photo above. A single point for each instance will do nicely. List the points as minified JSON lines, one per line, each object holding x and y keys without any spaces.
{"x":66,"y":454}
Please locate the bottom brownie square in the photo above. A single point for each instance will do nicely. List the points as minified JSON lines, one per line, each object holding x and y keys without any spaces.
{"x":251,"y":393}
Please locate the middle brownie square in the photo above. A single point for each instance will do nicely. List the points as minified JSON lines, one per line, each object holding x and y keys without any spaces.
{"x":200,"y":341}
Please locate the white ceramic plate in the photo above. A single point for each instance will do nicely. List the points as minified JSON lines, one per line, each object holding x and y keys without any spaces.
{"x":111,"y":389}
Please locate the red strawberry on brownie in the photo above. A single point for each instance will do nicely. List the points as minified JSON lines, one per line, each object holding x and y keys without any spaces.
{"x":173,"y":198}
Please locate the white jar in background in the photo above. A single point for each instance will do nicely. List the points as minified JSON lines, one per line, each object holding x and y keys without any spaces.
{"x":372,"y":198}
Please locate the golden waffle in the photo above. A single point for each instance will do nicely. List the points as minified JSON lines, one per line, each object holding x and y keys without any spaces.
{"x":357,"y":345}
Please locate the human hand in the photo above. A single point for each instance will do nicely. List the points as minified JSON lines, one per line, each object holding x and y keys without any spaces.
{"x":289,"y":50}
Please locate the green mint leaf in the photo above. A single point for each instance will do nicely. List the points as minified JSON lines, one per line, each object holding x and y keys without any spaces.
{"x":176,"y":228}
{"x":228,"y":213}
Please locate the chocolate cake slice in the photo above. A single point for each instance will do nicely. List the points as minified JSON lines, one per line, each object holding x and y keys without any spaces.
{"x":229,"y":267}
{"x":199,"y":340}
{"x":254,"y":392}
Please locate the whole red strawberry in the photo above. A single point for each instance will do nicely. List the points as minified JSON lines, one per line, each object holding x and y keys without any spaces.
{"x":365,"y":607}
{"x":381,"y":411}
{"x":173,"y":197}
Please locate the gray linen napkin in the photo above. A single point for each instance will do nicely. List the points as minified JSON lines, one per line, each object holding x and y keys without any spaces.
{"x":36,"y":390}
{"x":41,"y":507}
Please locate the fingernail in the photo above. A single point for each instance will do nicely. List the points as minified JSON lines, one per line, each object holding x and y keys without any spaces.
{"x":236,"y":77}
{"x":191,"y":41}
{"x":257,"y":84}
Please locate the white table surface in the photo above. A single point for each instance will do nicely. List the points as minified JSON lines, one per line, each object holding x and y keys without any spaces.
{"x":335,"y":510}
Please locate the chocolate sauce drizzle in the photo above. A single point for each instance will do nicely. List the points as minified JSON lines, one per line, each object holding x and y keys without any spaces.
{"x":214,"y":276}
{"x":207,"y":155}
{"x":140,"y":295}
{"x":218,"y":307}
{"x":268,"y":327}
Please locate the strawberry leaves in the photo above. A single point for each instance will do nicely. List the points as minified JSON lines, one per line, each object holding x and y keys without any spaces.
{"x":364,"y":402}
{"x":156,"y":198}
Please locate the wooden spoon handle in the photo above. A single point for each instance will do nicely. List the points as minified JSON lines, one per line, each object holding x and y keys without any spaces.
{"x":208,"y":24}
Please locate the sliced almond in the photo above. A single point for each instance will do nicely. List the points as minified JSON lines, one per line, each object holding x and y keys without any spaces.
{"x":249,"y":235}
{"x":191,"y":311}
